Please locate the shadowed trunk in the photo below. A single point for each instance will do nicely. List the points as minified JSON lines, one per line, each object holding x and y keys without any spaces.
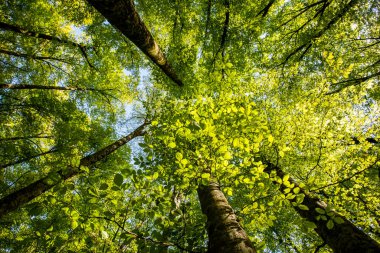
{"x":32,"y":191}
{"x":224,"y":231}
{"x":122,"y":15}
{"x":342,"y":238}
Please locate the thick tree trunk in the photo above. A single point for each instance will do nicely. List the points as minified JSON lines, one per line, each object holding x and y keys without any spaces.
{"x":123,"y":16}
{"x":32,"y":191}
{"x":224,"y":231}
{"x":342,"y":238}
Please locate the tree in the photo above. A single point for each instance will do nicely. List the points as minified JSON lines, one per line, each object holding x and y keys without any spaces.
{"x":268,"y":142}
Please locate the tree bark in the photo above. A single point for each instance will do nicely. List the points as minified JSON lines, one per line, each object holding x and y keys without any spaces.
{"x":342,"y":238}
{"x":122,"y":15}
{"x":224,"y":231}
{"x":32,"y":191}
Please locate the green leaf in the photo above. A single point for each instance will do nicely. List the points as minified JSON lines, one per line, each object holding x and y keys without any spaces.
{"x":206,"y":175}
{"x":172,"y":145}
{"x":118,"y":179}
{"x":115,"y":188}
{"x":303,"y":207}
{"x":178,"y":156}
{"x":330,"y":224}
{"x":155,"y":175}
{"x":320,"y":210}
{"x":74,"y":224}
{"x":309,"y":224}
{"x":103,"y":186}
{"x":338,"y":220}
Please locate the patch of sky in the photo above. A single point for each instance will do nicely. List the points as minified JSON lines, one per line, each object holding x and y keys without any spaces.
{"x":264,"y":35}
{"x":79,"y":33}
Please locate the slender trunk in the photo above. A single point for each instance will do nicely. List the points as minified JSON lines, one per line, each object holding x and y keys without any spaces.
{"x":123,"y":16}
{"x":342,"y":238}
{"x":224,"y":231}
{"x":32,"y":191}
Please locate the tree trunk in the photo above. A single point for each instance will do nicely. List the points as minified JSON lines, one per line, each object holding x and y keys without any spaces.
{"x":342,"y":238}
{"x":224,"y":231}
{"x":32,"y":191}
{"x":123,"y":16}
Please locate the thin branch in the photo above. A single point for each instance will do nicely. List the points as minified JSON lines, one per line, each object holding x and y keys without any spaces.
{"x":351,"y":82}
{"x":322,"y":31}
{"x":47,"y":87}
{"x":347,"y":178}
{"x":320,"y":247}
{"x":370,"y":140}
{"x":265,"y":10}
{"x":35,"y":57}
{"x":28,"y":158}
{"x":303,"y":10}
{"x":30,"y":33}
{"x":25,"y":138}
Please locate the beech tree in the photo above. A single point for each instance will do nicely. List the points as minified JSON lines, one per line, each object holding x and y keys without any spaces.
{"x":240,"y":126}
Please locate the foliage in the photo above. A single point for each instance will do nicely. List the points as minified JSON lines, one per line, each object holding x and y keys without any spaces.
{"x":292,"y":82}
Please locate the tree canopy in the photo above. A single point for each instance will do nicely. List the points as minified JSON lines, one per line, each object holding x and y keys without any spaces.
{"x":189,"y":126}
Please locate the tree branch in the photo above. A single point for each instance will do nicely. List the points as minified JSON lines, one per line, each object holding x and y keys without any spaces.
{"x":351,"y":82}
{"x":23,"y":31}
{"x":35,"y":57}
{"x":3,"y":166}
